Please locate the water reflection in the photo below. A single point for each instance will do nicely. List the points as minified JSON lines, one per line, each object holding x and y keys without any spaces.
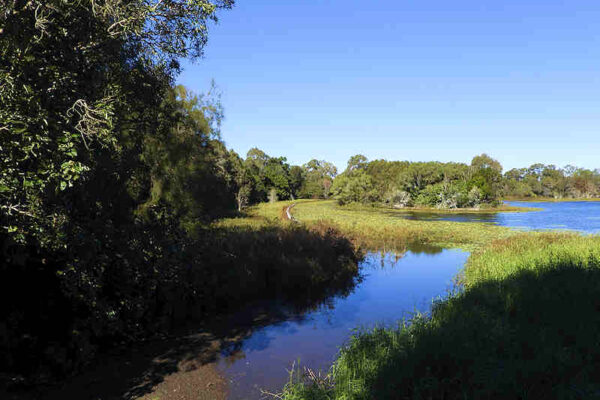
{"x":454,"y":216}
{"x":578,"y":216}
{"x":393,"y":286}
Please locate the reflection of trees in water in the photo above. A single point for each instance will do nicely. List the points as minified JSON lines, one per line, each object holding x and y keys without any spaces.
{"x":390,"y":258}
{"x":286,"y":317}
{"x":453,"y":216}
{"x":134,"y":371}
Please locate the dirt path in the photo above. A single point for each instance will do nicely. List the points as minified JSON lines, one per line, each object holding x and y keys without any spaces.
{"x":288,"y":214}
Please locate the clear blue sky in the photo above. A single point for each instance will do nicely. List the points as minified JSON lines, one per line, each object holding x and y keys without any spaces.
{"x":409,"y":79}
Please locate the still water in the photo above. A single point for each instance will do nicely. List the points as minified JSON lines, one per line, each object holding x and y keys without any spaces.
{"x":392,"y":288}
{"x":578,"y":216}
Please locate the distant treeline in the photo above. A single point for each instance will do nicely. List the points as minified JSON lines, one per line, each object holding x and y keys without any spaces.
{"x":457,"y":185}
{"x":426,"y":184}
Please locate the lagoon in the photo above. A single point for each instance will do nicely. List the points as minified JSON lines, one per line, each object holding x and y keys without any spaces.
{"x":392,"y":287}
{"x":582,"y":216}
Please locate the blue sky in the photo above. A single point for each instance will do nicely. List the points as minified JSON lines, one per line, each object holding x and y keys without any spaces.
{"x":408,"y":79}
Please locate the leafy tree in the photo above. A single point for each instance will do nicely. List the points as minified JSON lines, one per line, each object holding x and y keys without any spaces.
{"x":357,"y":162}
{"x":487,"y":176}
{"x":297,"y":179}
{"x":268,"y":173}
{"x":277,"y":177}
{"x":356,"y":187}
{"x":484,"y":161}
{"x":96,"y":149}
{"x":319,"y":176}
{"x":74,"y":78}
{"x":184,"y":175}
{"x":398,"y":199}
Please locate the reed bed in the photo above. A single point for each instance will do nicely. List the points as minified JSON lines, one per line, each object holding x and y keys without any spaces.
{"x":380,"y":228}
{"x":524,"y":324}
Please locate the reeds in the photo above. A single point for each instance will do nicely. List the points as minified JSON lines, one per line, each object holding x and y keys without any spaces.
{"x":525,"y":325}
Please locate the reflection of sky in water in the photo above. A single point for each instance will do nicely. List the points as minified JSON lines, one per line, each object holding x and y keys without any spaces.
{"x":390,"y":290}
{"x":579,"y":216}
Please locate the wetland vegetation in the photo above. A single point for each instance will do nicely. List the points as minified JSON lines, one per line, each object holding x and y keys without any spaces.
{"x":524,"y":325}
{"x":124,"y":214}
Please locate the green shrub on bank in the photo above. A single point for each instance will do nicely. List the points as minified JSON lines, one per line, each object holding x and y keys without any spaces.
{"x":66,"y":316}
{"x":526,"y":326}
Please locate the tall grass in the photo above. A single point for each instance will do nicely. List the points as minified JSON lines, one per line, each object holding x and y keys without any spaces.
{"x":385,"y":229}
{"x":526,"y":326}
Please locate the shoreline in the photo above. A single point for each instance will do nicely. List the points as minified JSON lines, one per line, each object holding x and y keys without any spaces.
{"x":491,"y":210}
{"x":553,"y":200}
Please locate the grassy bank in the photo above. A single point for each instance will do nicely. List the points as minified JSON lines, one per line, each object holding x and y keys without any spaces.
{"x":526,"y":326}
{"x":384,"y":229}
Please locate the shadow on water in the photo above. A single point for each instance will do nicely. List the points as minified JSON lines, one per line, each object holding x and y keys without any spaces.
{"x":394,"y":286}
{"x":130,"y":372}
{"x":236,"y":355}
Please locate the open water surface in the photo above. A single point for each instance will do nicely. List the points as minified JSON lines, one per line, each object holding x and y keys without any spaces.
{"x":582,"y":216}
{"x":392,"y":287}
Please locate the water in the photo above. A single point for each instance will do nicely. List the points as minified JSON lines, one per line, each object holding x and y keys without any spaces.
{"x":572,"y":215}
{"x":391,"y":289}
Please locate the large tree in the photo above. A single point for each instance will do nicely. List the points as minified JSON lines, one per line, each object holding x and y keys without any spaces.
{"x":79,"y":83}
{"x":319,"y":176}
{"x":95,"y":147}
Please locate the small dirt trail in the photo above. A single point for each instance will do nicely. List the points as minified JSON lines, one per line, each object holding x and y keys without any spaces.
{"x":288,"y":213}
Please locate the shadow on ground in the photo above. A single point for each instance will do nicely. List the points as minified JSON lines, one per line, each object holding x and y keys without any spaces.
{"x":149,"y":369}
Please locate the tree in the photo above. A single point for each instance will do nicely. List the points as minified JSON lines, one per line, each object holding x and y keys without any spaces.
{"x":357,"y":162}
{"x":297,"y":178}
{"x":102,"y":163}
{"x":484,"y":161}
{"x":353,"y":188}
{"x":79,"y":79}
{"x":184,"y":161}
{"x":277,"y":177}
{"x":487,"y":176}
{"x":319,"y":176}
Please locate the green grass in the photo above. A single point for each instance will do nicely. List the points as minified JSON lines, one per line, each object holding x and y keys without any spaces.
{"x":380,"y":228}
{"x":527,"y":325}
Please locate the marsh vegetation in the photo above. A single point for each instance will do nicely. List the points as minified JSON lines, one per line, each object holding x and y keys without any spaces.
{"x":524,"y":326}
{"x":124,"y":214}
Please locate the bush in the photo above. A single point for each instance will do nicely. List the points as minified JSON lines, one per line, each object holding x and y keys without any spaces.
{"x":56,"y":319}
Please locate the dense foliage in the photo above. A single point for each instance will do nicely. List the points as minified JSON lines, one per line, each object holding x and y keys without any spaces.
{"x":109,"y":178}
{"x":541,"y":180}
{"x":400,"y":184}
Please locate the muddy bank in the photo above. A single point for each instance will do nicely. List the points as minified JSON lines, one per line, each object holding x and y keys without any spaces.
{"x":179,"y":366}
